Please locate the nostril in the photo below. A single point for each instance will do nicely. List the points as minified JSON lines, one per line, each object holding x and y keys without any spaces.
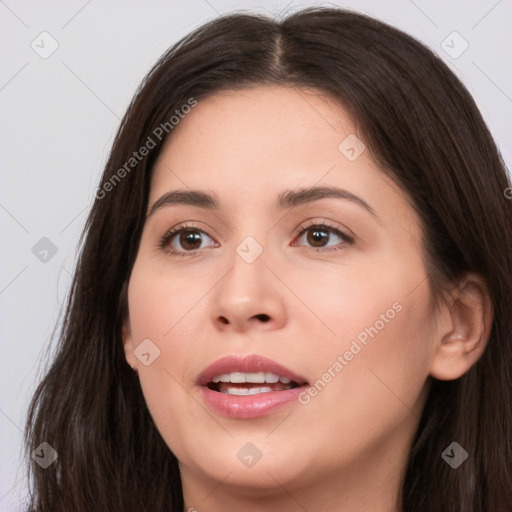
{"x":263,"y":317}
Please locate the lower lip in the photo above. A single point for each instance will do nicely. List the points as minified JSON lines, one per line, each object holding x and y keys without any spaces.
{"x":249,"y":406}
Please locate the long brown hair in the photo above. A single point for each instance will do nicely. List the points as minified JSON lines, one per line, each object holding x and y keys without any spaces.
{"x":424,"y":130}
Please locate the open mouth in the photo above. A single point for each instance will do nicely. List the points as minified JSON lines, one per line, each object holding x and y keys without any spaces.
{"x":243,"y":384}
{"x":247,"y":387}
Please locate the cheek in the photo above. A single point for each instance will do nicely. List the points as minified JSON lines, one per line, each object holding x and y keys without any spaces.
{"x":162,"y":302}
{"x":364,"y":302}
{"x":377,"y":393}
{"x":164,"y":308}
{"x":374,"y":356}
{"x":168,"y":402}
{"x":159,"y":309}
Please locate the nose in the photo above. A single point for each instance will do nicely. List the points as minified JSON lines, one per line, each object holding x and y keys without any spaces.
{"x":249,"y":297}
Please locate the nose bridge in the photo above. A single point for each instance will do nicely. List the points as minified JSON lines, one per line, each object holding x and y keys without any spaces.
{"x":249,"y":265}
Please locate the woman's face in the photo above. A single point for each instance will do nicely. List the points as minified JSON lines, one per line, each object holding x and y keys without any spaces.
{"x":331,"y":287}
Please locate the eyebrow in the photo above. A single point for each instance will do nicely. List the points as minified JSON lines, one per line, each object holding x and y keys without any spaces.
{"x":286,"y":199}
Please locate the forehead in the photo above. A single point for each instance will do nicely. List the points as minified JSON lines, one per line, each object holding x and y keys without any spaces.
{"x":262,"y":131}
{"x":254,"y":143}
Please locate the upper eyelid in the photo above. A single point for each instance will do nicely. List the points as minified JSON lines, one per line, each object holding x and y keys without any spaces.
{"x":303,"y":226}
{"x":310,"y":224}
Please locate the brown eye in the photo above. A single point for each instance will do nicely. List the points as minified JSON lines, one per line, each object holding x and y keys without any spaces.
{"x":321,"y":236}
{"x":185,"y":239}
{"x":317,"y":237}
{"x":190,"y":239}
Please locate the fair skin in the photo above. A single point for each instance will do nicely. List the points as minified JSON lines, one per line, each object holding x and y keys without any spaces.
{"x":346,"y":448}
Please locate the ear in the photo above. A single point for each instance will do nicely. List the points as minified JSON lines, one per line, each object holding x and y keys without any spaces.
{"x":463,"y":330}
{"x":128,"y":344}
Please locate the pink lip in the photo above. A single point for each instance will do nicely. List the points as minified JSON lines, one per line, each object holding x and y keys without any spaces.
{"x":251,"y":406}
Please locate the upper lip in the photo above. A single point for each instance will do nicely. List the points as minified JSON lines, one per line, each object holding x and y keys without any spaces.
{"x":248,"y":364}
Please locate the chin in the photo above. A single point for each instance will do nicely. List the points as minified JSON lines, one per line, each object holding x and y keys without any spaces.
{"x":241,"y":467}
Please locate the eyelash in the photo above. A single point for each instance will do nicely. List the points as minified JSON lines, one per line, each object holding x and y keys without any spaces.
{"x":303,"y":228}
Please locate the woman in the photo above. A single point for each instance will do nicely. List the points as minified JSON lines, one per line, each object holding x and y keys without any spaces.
{"x":301,"y":247}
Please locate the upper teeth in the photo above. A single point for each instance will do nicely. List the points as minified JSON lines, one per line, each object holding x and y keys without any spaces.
{"x":260,"y":377}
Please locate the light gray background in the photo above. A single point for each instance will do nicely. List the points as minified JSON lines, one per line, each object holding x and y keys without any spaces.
{"x":59,"y":115}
